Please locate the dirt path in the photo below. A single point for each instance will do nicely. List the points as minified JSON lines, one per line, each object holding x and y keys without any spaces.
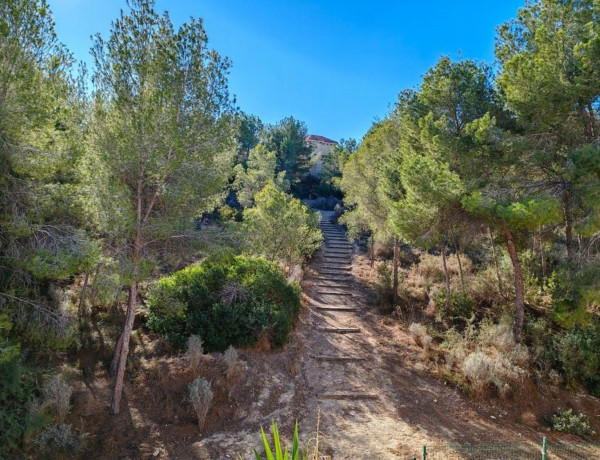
{"x":372,"y":405}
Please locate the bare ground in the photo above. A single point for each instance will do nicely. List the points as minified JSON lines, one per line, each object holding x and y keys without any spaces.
{"x":375,"y":391}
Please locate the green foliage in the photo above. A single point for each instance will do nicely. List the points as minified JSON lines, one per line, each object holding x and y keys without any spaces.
{"x":281,"y":228}
{"x":280,"y":453}
{"x":576,"y":294}
{"x":576,"y":423}
{"x":527,"y":213}
{"x":17,"y":389}
{"x":462,"y":306}
{"x":198,"y":300}
{"x":286,"y":139}
{"x":261,"y":167}
{"x":249,"y":128}
{"x":384,"y":292}
{"x":577,"y":356}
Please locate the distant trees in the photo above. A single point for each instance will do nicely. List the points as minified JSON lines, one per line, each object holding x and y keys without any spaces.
{"x":261,"y":167}
{"x":287,"y":139}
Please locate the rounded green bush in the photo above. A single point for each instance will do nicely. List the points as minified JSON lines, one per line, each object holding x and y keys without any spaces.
{"x":230,"y":301}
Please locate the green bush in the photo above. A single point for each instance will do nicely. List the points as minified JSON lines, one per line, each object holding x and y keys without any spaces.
{"x":576,"y":423}
{"x":17,"y":388}
{"x":575,"y":291}
{"x":577,"y":355}
{"x":228,"y":301}
{"x":461,"y":305}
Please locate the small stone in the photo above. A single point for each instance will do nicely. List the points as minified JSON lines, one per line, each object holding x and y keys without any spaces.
{"x":156,"y":452}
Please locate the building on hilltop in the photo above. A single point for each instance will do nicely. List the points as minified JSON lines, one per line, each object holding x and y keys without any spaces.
{"x":321,"y":148}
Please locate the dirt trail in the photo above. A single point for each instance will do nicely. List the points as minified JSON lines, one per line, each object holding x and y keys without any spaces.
{"x":372,"y":405}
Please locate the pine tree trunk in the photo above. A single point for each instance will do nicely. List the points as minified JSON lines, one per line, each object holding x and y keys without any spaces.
{"x":500,"y":288}
{"x":395,"y":283}
{"x":460,"y":269}
{"x":519,"y":291}
{"x":568,"y":228}
{"x":122,"y":359}
{"x":372,"y":250}
{"x":81,"y":309}
{"x":447,"y":275}
{"x":116,"y":356}
{"x":543,"y":260}
{"x":131,"y":303}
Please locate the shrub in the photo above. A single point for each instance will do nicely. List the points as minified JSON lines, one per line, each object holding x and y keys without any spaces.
{"x":575,"y":291}
{"x":60,"y":437}
{"x":488,"y":356}
{"x":419,"y":334}
{"x":17,"y":387}
{"x":229,"y":301}
{"x":281,"y":228}
{"x":230,"y":357}
{"x":57,"y":396}
{"x":430,"y":267}
{"x":577,"y":356}
{"x":461,"y":305}
{"x":194,"y":352}
{"x":201,"y":397}
{"x":384,"y":292}
{"x":576,"y":423}
{"x":483,"y":369}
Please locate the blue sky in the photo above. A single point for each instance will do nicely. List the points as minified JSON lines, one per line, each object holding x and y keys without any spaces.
{"x":336,"y":65}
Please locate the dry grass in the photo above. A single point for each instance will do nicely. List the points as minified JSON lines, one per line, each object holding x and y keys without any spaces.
{"x":201,"y":397}
{"x":419,"y":334}
{"x":57,"y":396}
{"x":194,"y":352}
{"x":487,"y":357}
{"x":231,"y":360}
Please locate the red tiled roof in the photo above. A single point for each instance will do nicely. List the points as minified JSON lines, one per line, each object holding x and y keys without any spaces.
{"x":314,"y":137}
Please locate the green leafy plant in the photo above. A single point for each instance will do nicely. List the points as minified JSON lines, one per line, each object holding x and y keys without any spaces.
{"x":461,"y":305}
{"x":280,"y":453}
{"x":576,"y":423}
{"x":577,"y":355}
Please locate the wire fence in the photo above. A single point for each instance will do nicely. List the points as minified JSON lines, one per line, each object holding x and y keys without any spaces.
{"x":544,"y":451}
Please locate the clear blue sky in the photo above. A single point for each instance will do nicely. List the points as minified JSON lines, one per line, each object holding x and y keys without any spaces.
{"x":336,"y":65}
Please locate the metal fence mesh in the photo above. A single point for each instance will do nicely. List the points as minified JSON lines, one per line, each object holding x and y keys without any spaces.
{"x":510,"y":452}
{"x":481,"y":452}
{"x":574,"y":451}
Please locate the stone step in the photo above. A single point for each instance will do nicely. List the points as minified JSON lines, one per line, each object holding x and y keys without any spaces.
{"x":336,"y":266}
{"x":341,"y":330}
{"x":335,"y":256}
{"x":335,"y":358}
{"x":338,"y":253}
{"x":342,"y":293}
{"x":341,"y":308}
{"x":335,"y":278}
{"x":351,"y":396}
{"x":337,"y":285}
